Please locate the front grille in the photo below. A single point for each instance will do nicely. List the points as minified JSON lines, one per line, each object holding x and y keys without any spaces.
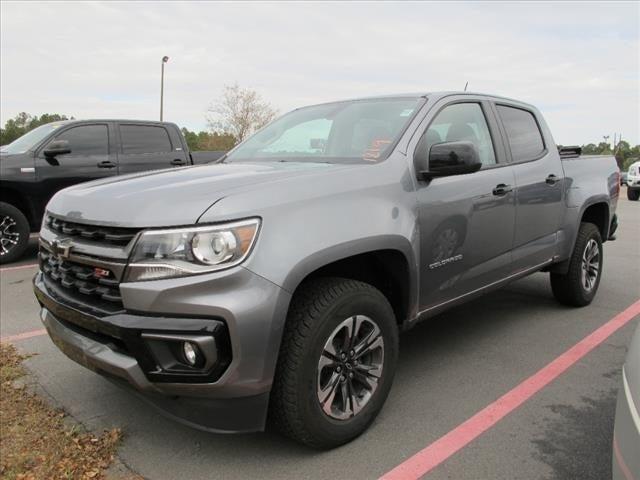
{"x":111,"y":235}
{"x":94,"y":287}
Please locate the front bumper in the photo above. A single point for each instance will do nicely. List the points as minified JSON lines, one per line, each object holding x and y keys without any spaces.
{"x":240,"y":306}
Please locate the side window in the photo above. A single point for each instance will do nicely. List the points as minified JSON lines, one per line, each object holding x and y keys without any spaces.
{"x":461,"y":122}
{"x":87,"y":140}
{"x":144,"y":139}
{"x":523,"y":133}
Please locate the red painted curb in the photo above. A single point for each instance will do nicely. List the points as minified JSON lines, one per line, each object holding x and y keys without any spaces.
{"x":19,"y":267}
{"x":23,"y":336}
{"x":433,"y":455}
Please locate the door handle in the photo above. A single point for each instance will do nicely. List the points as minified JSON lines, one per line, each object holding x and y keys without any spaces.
{"x":177,"y":162}
{"x":552,"y":179}
{"x":502,"y":189}
{"x":106,"y":164}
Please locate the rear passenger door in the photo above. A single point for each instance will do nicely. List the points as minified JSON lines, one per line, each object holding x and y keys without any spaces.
{"x":539,"y":188}
{"x":148,"y":147}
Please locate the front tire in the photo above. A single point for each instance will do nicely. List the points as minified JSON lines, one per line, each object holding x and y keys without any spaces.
{"x":579,"y":285}
{"x":336,"y":364}
{"x":14,"y":233}
{"x":633,"y":194}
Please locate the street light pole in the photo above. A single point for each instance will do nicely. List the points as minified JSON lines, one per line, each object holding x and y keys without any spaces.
{"x":165,"y":59}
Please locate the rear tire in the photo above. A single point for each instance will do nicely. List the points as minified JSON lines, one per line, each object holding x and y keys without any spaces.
{"x":14,"y":233}
{"x":633,"y":194}
{"x":320,"y":395}
{"x":579,"y":285}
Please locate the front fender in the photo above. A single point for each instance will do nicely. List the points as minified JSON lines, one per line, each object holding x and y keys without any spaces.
{"x":332,"y":254}
{"x":334,"y":214}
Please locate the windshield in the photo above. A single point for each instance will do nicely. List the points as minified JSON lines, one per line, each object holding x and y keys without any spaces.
{"x":359,"y":131}
{"x":29,"y":139}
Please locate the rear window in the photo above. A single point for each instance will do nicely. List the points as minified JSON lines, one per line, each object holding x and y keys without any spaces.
{"x":523,"y":133}
{"x":144,"y":139}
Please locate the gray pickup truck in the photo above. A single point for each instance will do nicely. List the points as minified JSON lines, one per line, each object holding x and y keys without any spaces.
{"x":270,"y":288}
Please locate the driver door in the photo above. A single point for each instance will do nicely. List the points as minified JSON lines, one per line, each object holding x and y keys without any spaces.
{"x":466,"y":221}
{"x":90,"y":158}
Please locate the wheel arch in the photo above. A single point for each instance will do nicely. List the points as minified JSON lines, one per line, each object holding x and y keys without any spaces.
{"x":387,"y":263}
{"x":597,"y":213}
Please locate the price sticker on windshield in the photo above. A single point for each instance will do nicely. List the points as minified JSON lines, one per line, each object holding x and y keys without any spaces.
{"x":375,"y":149}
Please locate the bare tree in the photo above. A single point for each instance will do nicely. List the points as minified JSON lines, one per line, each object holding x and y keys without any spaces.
{"x":239,"y":112}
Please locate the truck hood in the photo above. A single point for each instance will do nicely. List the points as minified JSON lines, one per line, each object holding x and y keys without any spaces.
{"x":171,"y":197}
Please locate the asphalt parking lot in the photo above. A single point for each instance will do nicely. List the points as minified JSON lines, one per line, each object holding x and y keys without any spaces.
{"x":450,"y":368}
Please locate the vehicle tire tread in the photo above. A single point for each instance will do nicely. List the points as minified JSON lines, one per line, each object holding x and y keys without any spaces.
{"x":24,"y":229}
{"x":567,"y":288}
{"x":307,"y":308}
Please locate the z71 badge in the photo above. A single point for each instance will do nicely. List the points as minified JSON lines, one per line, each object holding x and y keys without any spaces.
{"x":101,"y":272}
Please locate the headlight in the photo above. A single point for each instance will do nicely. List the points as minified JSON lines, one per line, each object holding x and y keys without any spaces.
{"x":190,"y":251}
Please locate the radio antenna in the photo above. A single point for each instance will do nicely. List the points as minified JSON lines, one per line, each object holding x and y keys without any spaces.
{"x":465,"y":86}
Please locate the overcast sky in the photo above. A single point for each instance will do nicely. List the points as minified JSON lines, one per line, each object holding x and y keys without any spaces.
{"x":578,"y":62}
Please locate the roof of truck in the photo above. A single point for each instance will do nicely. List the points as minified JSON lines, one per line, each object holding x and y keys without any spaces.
{"x":119,"y":120}
{"x":426,"y":95}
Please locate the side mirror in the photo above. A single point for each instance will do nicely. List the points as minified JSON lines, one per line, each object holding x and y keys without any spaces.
{"x":452,"y":158}
{"x":57,"y":147}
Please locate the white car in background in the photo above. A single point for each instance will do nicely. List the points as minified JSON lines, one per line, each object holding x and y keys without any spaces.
{"x":633,"y":181}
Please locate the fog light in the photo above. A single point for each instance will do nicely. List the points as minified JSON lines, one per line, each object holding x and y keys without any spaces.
{"x":190,"y":353}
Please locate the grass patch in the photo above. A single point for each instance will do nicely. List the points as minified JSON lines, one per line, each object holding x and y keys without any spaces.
{"x":35,"y":440}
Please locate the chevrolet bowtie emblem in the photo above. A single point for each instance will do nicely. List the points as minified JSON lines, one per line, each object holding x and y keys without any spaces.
{"x":61,"y":248}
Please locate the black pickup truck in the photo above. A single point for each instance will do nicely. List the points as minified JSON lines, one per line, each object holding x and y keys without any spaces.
{"x":60,"y":154}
